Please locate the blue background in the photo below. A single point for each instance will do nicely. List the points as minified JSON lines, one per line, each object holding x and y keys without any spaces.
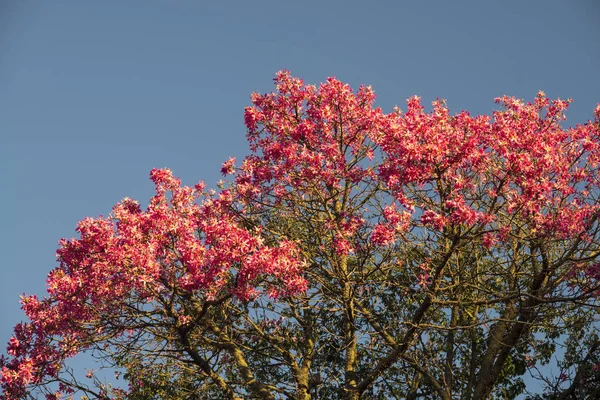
{"x":94,"y":94}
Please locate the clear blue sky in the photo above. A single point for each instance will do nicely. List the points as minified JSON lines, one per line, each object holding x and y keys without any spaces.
{"x":94,"y":94}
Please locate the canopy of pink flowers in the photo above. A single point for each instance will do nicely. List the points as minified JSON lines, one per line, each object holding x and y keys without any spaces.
{"x":438,"y":170}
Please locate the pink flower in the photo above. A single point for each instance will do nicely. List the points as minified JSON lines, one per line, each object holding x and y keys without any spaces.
{"x":342,"y":246}
{"x":489,"y":240}
{"x":14,"y":345}
{"x":382,"y":235}
{"x":228,"y":167}
{"x":433,"y":219}
{"x":423,"y":277}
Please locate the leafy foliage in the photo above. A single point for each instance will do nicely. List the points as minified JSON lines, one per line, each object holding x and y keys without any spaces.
{"x":353,"y":254}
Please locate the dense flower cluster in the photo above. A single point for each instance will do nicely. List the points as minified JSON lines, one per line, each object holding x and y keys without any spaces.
{"x":176,"y":244}
{"x":334,"y":192}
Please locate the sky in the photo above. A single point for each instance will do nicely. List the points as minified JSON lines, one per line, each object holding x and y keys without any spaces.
{"x":94,"y":94}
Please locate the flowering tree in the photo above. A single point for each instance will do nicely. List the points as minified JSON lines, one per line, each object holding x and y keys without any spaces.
{"x":353,"y":254}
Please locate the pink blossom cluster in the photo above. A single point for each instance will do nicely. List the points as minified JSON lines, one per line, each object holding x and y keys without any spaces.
{"x":176,"y":244}
{"x":306,"y":138}
{"x":394,"y":223}
{"x":364,"y":177}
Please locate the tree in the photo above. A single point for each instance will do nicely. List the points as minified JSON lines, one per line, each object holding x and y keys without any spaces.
{"x":353,"y":254}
